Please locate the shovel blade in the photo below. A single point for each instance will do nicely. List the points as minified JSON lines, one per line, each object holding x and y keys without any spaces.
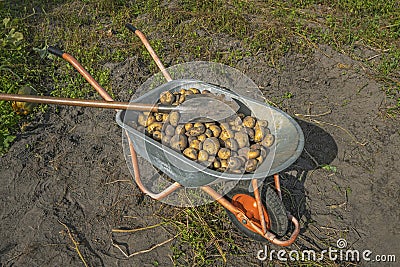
{"x":207,"y":108}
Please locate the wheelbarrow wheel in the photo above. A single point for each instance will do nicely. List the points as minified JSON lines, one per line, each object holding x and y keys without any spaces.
{"x":275,"y":213}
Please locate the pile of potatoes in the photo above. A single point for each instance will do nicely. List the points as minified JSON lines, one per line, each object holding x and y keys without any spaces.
{"x":238,"y":144}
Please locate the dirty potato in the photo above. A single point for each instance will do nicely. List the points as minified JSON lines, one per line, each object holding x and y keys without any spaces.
{"x":202,"y":155}
{"x":167,"y":98}
{"x":224,"y":153}
{"x":268,"y":140}
{"x":174,"y":117}
{"x":211,"y":145}
{"x":178,"y":142}
{"x":191,"y":153}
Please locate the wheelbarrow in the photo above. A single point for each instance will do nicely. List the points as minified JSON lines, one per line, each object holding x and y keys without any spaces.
{"x":259,"y":215}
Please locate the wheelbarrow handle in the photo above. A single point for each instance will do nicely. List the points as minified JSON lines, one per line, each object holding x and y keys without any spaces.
{"x":56,"y":51}
{"x":151,"y":51}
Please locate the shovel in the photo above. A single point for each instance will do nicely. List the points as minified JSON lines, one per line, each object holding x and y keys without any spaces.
{"x":202,"y":106}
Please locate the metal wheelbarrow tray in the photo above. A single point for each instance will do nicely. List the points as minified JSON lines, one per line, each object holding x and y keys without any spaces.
{"x":286,"y":149}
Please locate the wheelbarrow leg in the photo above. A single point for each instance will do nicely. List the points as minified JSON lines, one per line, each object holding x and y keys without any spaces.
{"x":135,"y":164}
{"x":278,"y":185}
{"x":241,"y":216}
{"x":260,"y":206}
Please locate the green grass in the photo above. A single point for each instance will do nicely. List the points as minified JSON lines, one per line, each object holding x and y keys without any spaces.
{"x":11,"y":77}
{"x":203,"y":240}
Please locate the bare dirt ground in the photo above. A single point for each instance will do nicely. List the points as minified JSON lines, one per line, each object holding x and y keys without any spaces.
{"x":59,"y":179}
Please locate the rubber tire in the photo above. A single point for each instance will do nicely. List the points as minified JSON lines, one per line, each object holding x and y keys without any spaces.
{"x":276,"y":212}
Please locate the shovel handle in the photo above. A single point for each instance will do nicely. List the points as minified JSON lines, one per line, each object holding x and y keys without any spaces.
{"x":86,"y":103}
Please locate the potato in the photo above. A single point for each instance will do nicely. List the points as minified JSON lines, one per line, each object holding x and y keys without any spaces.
{"x":191,"y":153}
{"x":226,"y":134}
{"x":165,"y":117}
{"x":260,"y":159}
{"x":263,"y":151}
{"x":202,"y":137}
{"x":196,"y":144}
{"x":202,"y":155}
{"x":261,"y":123}
{"x":179,"y":142}
{"x":234,"y":163}
{"x":224,"y":126}
{"x":243,"y":159}
{"x":166,"y":139}
{"x":268,"y":140}
{"x":249,"y":122}
{"x":216,"y":130}
{"x":174,"y":117}
{"x":176,"y":102}
{"x":180,"y":129}
{"x":191,"y":138}
{"x":158,"y":116}
{"x":253,"y":153}
{"x":241,"y":116}
{"x":251,"y":165}
{"x":216,"y":164}
{"x":188,"y":92}
{"x":157,"y":135}
{"x":23,"y":108}
{"x":208,"y":133}
{"x":167,"y":98}
{"x":224,"y":164}
{"x":211,"y":145}
{"x":208,"y":124}
{"x":155,"y":126}
{"x":237,"y":121}
{"x":255,"y":146}
{"x":242,"y":139}
{"x":259,"y":133}
{"x":188,"y":126}
{"x":244,"y":152}
{"x":194,"y":90}
{"x":146,"y":120}
{"x":249,"y":132}
{"x":196,"y":130}
{"x":169,"y":130}
{"x":199,"y":124}
{"x":224,"y":153}
{"x":181,"y":99}
{"x":231,"y":144}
